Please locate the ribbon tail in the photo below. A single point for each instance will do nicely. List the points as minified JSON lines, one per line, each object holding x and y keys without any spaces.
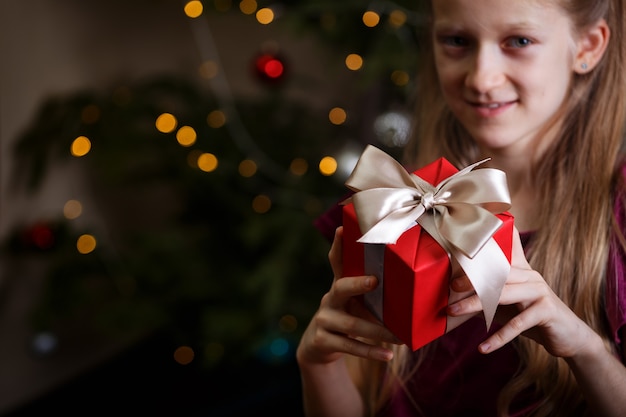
{"x":488,"y":262}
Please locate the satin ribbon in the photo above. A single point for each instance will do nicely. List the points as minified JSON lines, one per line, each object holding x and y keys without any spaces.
{"x":459,"y":213}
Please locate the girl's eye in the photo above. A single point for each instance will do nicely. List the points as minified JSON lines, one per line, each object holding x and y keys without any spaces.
{"x":519,"y":42}
{"x":454,"y":41}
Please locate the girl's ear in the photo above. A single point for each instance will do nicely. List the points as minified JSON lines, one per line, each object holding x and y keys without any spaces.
{"x":590,"y":46}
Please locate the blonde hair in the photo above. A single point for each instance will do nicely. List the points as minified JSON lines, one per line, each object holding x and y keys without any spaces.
{"x":575,"y":178}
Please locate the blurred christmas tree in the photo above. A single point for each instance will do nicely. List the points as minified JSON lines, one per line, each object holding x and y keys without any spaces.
{"x":206,"y":201}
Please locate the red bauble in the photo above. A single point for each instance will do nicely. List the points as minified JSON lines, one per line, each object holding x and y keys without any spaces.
{"x":269,"y":68}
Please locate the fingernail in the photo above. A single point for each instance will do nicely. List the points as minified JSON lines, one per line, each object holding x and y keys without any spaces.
{"x":453,"y":308}
{"x":484,"y":347}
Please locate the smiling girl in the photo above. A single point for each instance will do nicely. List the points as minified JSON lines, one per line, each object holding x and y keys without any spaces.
{"x":538,"y":86}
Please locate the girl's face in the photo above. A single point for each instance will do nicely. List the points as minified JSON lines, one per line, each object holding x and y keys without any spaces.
{"x":504,"y":68}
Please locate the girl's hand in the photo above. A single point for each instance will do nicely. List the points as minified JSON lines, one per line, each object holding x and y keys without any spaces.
{"x":342,"y":318}
{"x":529,"y":307}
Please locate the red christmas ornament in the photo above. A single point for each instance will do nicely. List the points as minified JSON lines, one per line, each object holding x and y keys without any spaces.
{"x":269,"y":68}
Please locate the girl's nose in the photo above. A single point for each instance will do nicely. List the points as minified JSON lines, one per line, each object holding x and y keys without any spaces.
{"x":485,"y":71}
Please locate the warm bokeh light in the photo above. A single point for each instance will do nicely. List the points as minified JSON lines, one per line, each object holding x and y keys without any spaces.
{"x":166,"y":123}
{"x":354,"y":62}
{"x":371,"y":19}
{"x":90,"y":114}
{"x":193,"y":8}
{"x":248,"y":6}
{"x":86,"y":244}
{"x":208,"y":70}
{"x":261,"y":204}
{"x":216,"y":119}
{"x":397,"y":18}
{"x":247,"y":168}
{"x":184,"y":355}
{"x":207,"y":162}
{"x":72,"y":209}
{"x":299,"y":166}
{"x":80,"y":146}
{"x":186,"y":136}
{"x":328,"y":165}
{"x":400,"y":78}
{"x":265,"y":16}
{"x":288,"y":323}
{"x":337,"y":116}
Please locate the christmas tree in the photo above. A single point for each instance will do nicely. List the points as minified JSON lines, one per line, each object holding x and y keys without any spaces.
{"x":206,"y":201}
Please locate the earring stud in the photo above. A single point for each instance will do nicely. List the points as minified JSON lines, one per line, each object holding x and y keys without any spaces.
{"x":584,"y":65}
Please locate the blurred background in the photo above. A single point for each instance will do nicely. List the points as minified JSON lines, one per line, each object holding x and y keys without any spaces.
{"x":162,"y":164}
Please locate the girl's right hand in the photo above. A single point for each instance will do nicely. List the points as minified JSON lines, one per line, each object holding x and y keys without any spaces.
{"x":342,"y":324}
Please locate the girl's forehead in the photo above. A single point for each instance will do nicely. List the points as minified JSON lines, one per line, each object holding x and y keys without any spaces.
{"x":522,"y":13}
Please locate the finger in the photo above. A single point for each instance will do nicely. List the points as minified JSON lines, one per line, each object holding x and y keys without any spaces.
{"x":342,"y":323}
{"x":348,"y":287}
{"x":513,"y":328}
{"x":461,"y":284}
{"x":335,"y":253}
{"x":344,"y":344}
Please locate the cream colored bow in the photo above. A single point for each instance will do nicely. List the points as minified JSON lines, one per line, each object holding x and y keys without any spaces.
{"x":459,"y":213}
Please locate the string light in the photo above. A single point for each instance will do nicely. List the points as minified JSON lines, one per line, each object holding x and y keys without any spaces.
{"x":371,"y":19}
{"x":184,"y":355}
{"x":261,"y":204}
{"x":193,"y":8}
{"x":166,"y":123}
{"x":80,"y":146}
{"x":207,"y":162}
{"x":247,"y":168}
{"x":328,"y":166}
{"x":337,"y":116}
{"x":265,"y":16}
{"x":354,"y":62}
{"x":186,"y":136}
{"x":86,"y":244}
{"x":248,"y":6}
{"x":72,"y":209}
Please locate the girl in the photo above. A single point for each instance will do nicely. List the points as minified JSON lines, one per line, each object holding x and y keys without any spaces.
{"x":539,"y":87}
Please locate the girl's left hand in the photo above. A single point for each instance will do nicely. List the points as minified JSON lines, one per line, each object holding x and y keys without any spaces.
{"x":528,"y":307}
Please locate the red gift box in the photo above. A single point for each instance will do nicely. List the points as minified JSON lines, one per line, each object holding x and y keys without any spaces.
{"x":414,"y":273}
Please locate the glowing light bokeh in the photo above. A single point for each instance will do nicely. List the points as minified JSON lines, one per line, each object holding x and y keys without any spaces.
{"x":184,"y":355}
{"x":186,"y":136}
{"x":248,"y":6}
{"x":299,"y":166}
{"x":247,"y":168}
{"x":193,"y":8}
{"x":207,"y":162}
{"x":80,"y":146}
{"x":354,"y":62}
{"x":166,"y":123}
{"x":400,"y":78}
{"x":261,"y":204}
{"x":216,"y":119}
{"x":397,"y":18}
{"x":337,"y":116}
{"x":86,"y":244}
{"x":265,"y":16}
{"x":72,"y":209}
{"x":208,"y":69}
{"x":328,"y":166}
{"x":370,"y":19}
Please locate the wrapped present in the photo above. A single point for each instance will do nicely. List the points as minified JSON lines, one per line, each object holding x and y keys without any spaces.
{"x":417,"y":231}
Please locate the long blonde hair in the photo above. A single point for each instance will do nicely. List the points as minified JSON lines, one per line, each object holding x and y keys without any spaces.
{"x":575,"y":179}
